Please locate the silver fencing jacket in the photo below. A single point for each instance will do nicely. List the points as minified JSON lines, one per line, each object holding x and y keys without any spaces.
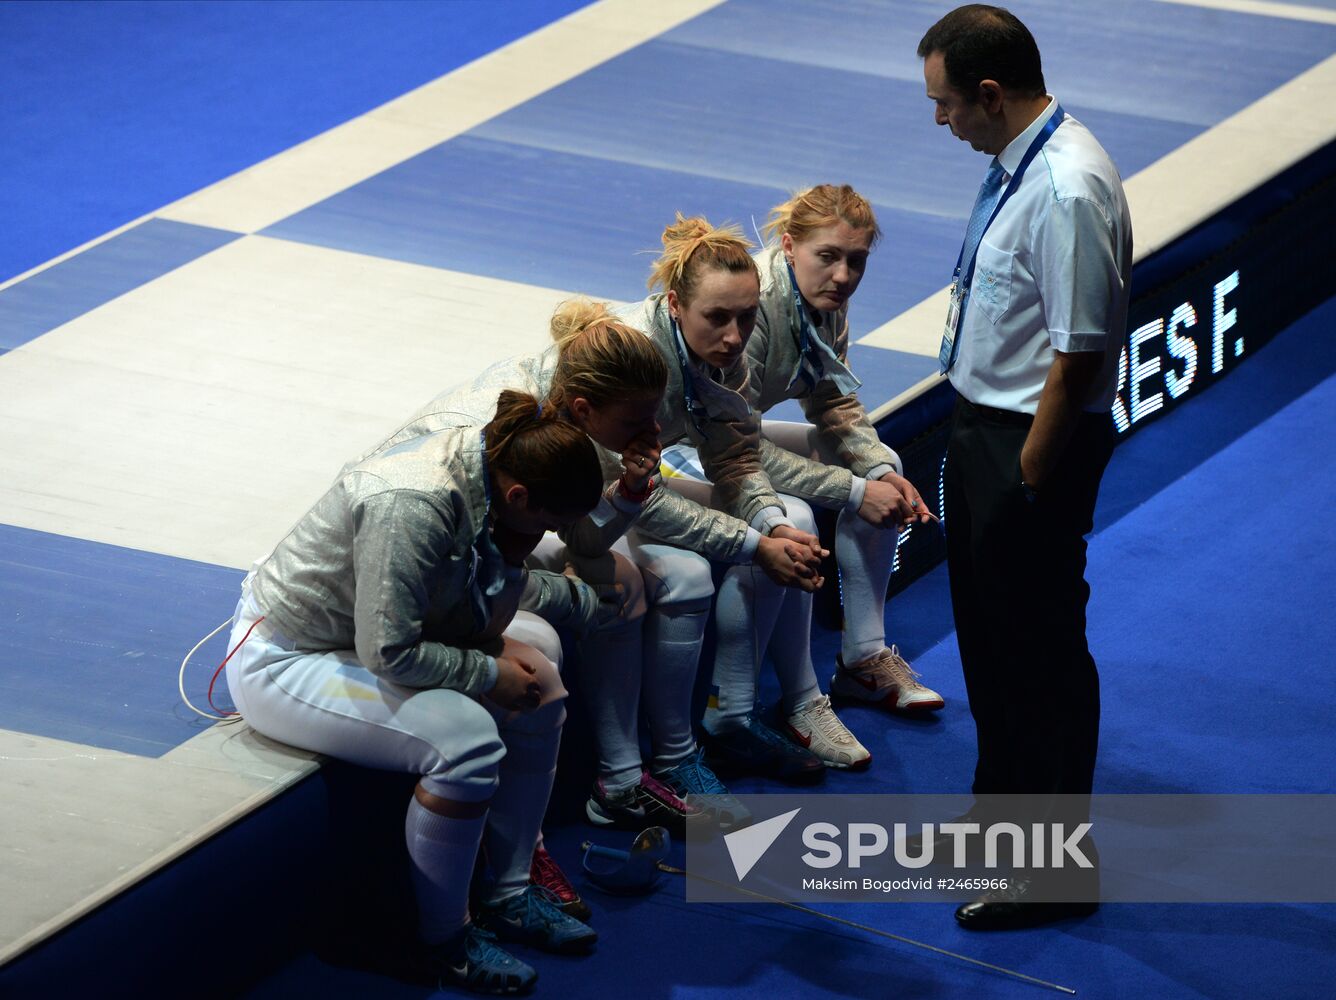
{"x":396,"y":562}
{"x":774,"y":357}
{"x":709,"y":409}
{"x":664,"y":515}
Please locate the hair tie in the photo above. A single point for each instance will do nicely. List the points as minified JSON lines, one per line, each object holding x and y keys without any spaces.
{"x":539,"y":414}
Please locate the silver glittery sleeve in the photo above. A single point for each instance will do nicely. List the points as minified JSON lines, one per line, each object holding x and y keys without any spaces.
{"x":730,"y":453}
{"x":841,"y":419}
{"x":394,"y":538}
{"x":673,"y":519}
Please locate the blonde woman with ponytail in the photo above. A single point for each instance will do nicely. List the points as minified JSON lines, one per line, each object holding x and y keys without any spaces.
{"x":820,"y":240}
{"x":729,"y":512}
{"x":383,"y":630}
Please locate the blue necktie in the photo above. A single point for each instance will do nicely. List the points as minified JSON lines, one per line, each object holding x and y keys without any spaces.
{"x":989,"y":192}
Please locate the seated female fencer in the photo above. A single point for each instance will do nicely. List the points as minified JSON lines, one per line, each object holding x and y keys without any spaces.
{"x":821,"y":240}
{"x":700,"y":320}
{"x":383,"y":630}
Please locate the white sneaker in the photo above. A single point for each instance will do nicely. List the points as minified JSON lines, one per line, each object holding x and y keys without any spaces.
{"x":887,"y":680}
{"x":817,"y":727}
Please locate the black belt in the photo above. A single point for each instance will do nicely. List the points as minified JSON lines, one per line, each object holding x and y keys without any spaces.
{"x":997,"y":416}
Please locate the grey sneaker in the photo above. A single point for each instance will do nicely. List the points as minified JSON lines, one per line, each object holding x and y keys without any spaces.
{"x":816,"y":727}
{"x":887,"y":680}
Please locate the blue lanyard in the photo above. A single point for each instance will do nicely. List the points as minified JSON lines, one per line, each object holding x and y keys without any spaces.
{"x":1037,"y":144}
{"x":693,"y":410}
{"x":804,"y":337}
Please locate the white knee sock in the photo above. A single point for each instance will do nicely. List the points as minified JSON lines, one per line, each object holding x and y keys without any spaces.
{"x":790,"y":649}
{"x":610,"y":667}
{"x":518,"y":807}
{"x":866,"y":555}
{"x":673,"y":636}
{"x":744,"y":612}
{"x":441,"y":851}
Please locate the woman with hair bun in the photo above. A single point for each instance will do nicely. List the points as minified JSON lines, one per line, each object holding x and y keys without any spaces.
{"x":820,"y":242}
{"x":729,"y":512}
{"x":383,"y":630}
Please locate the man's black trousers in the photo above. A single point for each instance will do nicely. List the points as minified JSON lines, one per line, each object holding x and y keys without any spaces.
{"x":1018,"y":592}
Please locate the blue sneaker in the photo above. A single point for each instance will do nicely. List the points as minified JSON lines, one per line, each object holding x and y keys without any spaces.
{"x":755,"y":748}
{"x":472,"y":960}
{"x":534,"y":917}
{"x":692,"y":778}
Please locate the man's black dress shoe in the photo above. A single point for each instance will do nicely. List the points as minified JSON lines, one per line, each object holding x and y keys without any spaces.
{"x":1014,"y":908}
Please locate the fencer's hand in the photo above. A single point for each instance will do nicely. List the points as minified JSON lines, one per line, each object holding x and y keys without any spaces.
{"x":611,"y":602}
{"x":785,"y":562}
{"x":516,"y":688}
{"x":640,"y":461}
{"x":814,"y":552}
{"x":897,"y":501}
{"x":610,"y":597}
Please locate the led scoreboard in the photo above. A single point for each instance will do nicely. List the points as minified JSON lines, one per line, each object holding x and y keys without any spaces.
{"x":1162,"y":357}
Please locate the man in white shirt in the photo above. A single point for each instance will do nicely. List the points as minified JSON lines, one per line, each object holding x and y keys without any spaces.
{"x":1039,"y":310}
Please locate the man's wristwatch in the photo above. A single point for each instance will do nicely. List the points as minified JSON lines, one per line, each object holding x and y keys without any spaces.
{"x":1031,"y":494}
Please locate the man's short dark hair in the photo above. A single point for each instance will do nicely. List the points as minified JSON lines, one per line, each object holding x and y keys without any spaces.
{"x":979,"y":42}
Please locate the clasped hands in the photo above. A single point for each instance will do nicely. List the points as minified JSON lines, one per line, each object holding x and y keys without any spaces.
{"x":893,"y":501}
{"x":792,"y":558}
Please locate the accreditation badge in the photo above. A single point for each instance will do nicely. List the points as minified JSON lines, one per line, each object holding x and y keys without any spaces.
{"x":948,"y":351}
